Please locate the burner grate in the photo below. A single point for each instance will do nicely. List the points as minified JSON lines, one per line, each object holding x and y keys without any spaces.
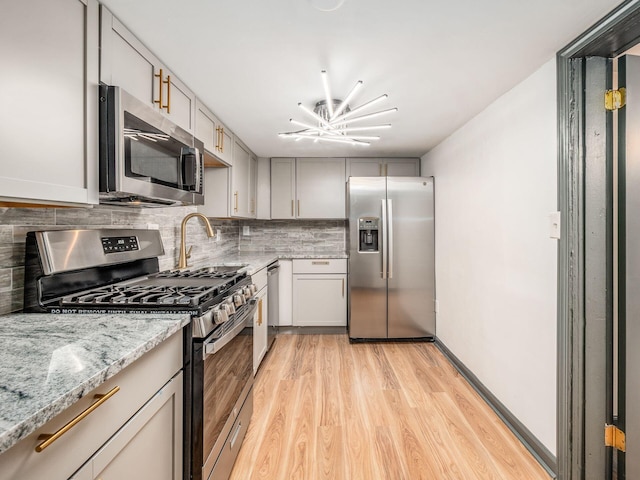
{"x":142,"y":295}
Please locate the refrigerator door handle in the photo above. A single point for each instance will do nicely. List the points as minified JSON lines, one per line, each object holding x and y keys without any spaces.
{"x":384,"y":241}
{"x":390,"y":236}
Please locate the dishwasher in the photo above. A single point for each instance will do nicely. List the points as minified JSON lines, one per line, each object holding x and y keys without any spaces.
{"x":273,"y":314}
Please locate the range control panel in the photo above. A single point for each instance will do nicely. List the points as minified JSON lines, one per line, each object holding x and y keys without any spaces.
{"x":119,"y":244}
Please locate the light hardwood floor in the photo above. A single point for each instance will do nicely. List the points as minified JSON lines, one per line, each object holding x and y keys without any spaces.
{"x":326,"y":409}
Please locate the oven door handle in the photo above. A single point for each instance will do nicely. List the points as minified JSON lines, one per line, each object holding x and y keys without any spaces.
{"x":213,"y":346}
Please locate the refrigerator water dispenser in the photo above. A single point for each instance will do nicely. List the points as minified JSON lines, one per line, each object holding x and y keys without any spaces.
{"x":368,"y":234}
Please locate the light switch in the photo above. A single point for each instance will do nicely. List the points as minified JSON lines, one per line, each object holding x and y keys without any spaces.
{"x":554,"y":225}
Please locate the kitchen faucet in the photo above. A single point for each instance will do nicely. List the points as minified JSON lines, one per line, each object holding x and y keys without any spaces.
{"x":184,"y":254}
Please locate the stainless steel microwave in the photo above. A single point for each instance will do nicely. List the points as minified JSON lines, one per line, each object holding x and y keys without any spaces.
{"x":145,"y":159}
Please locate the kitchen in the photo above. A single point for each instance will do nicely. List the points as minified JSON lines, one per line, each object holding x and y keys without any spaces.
{"x":522,"y":283}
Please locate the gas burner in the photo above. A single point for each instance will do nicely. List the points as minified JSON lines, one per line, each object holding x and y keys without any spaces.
{"x":142,"y":295}
{"x":220,"y":272}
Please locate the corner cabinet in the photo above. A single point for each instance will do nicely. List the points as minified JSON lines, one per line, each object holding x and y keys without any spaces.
{"x":49,"y":98}
{"x":308,"y":188}
{"x":127,"y":63}
{"x":380,"y":167}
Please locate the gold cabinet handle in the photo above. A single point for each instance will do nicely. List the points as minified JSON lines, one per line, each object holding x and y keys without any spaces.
{"x":168,"y":83}
{"x":343,"y":288}
{"x":159,"y":77}
{"x":221,"y":139}
{"x":259,"y":312}
{"x":298,"y":207}
{"x":217,"y":139}
{"x":49,"y":438}
{"x":235,"y":202}
{"x":292,"y":208}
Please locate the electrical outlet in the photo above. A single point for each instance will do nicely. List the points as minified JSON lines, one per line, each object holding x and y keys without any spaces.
{"x":554,"y":225}
{"x":217,"y":237}
{"x":153,"y":226}
{"x":246,"y":230}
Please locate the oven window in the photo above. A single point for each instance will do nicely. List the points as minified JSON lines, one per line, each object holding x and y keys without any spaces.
{"x":225,"y":375}
{"x":151,"y":154}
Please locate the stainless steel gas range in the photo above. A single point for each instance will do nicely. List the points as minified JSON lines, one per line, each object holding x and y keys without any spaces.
{"x":117,"y":271}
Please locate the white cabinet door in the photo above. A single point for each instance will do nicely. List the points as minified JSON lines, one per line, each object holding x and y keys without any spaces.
{"x":319,"y":300}
{"x":148,"y":446}
{"x":49,"y":102}
{"x":240,"y":181}
{"x":320,"y":188}
{"x":127,"y":63}
{"x":380,"y":167}
{"x":253,"y":185}
{"x":260,"y":322}
{"x":402,"y":167}
{"x":224,"y":144}
{"x":209,"y":129}
{"x":364,"y":167}
{"x":283,"y":188}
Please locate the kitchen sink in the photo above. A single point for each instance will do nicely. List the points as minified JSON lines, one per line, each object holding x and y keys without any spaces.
{"x":224,"y":268}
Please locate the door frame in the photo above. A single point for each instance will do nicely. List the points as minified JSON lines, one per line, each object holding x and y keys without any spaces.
{"x":583,"y":263}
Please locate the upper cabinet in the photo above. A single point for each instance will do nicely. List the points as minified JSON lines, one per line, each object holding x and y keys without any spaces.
{"x":49,"y":98}
{"x":231,"y":192}
{"x":217,"y":139}
{"x":308,"y":188}
{"x":127,"y":63}
{"x":380,"y":167}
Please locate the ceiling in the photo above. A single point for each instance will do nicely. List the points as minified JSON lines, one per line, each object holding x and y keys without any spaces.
{"x":441,"y":63}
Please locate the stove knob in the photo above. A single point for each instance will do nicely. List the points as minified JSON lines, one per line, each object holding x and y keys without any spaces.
{"x":238,"y":299}
{"x":229,"y":305}
{"x":247,"y":292}
{"x":220,"y":315}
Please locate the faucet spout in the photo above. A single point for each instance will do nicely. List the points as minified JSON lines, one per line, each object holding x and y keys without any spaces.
{"x":184,"y":256}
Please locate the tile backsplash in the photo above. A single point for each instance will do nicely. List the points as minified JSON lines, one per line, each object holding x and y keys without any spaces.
{"x":265,"y":236}
{"x":293,"y":236}
{"x":16,"y":222}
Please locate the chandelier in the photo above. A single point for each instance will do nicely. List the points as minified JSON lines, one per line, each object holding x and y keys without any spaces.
{"x":335,"y":119}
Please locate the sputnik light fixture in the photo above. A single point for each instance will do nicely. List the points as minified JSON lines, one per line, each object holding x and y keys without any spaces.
{"x":333,"y":118}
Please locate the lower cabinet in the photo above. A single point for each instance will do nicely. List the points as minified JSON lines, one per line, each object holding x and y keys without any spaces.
{"x":260,"y":320}
{"x":148,"y":446}
{"x":320,"y":293}
{"x":133,"y":430}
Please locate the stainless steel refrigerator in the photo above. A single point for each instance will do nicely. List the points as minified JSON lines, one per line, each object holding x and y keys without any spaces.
{"x":391,"y":258}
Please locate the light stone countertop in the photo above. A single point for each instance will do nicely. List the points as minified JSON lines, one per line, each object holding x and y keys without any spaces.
{"x":256,"y":261}
{"x":48,"y":362}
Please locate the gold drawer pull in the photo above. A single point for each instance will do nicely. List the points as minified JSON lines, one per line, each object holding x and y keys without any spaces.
{"x":320,"y":262}
{"x":50,"y":438}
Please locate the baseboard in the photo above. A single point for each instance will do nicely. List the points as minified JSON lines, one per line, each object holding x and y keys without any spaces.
{"x":311,"y":330}
{"x":528,"y":439}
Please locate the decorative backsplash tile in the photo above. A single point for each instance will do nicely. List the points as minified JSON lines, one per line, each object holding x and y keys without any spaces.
{"x":16,"y":222}
{"x":294,"y":236}
{"x":266,"y":236}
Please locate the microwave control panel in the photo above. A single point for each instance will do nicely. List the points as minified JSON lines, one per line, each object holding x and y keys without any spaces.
{"x":119,"y":244}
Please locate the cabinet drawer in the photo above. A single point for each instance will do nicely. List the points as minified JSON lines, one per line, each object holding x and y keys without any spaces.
{"x":320,"y":265}
{"x":137,"y":383}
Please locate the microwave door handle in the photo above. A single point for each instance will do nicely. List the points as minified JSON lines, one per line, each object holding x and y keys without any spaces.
{"x":189,"y":171}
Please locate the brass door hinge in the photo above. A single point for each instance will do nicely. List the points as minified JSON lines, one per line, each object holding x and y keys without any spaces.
{"x":614,"y":437}
{"x":615,"y":99}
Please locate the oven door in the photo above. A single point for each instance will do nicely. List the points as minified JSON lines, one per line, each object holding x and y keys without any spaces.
{"x":227,"y":383}
{"x":145,"y":157}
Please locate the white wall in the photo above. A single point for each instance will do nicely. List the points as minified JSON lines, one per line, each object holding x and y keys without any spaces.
{"x":495,"y":183}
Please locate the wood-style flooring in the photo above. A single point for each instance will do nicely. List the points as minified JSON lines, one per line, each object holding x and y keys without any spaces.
{"x":327,"y":409}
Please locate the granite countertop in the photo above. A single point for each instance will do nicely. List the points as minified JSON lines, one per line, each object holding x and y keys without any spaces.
{"x":255,"y":261}
{"x":48,"y":362}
